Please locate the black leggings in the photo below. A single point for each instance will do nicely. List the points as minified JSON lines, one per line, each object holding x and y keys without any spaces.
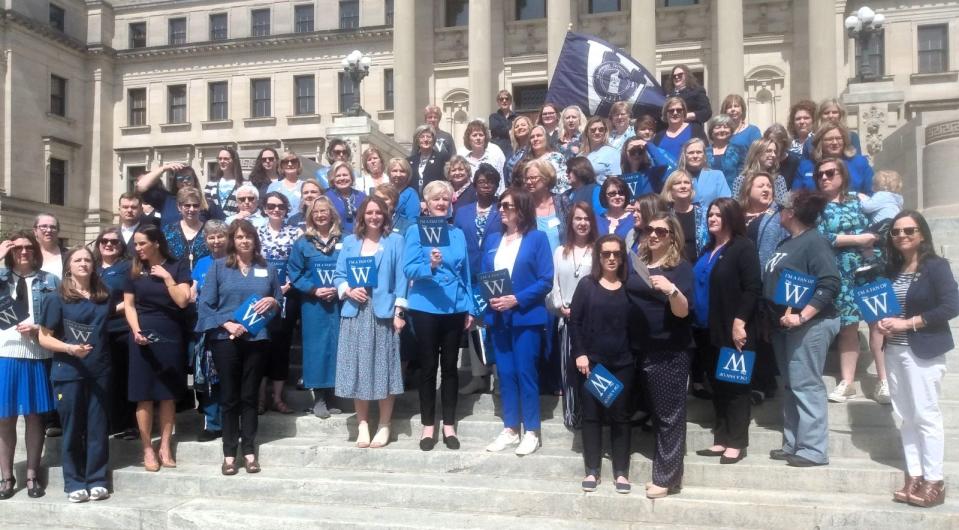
{"x":617,"y":416}
{"x":239,"y":363}
{"x":438,"y":342}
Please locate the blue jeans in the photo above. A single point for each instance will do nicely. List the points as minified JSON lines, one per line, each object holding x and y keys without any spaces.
{"x":210,"y":405}
{"x":801,"y":354}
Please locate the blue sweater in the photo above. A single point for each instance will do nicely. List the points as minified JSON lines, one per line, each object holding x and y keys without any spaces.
{"x":225,"y":289}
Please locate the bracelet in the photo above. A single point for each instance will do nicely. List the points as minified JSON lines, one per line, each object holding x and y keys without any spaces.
{"x":913,"y":320}
{"x":802,"y":319}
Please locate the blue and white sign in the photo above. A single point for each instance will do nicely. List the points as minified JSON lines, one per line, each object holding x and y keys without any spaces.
{"x":361,"y":272}
{"x":323,"y":273}
{"x":603,"y":385}
{"x":735,"y":366}
{"x":434,"y":231}
{"x":877,"y":300}
{"x":250,"y":319}
{"x":495,"y":284}
{"x":280,"y":266}
{"x":794,"y":289}
{"x":11,"y":313}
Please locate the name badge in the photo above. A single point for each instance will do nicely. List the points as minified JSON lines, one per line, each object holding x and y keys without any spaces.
{"x":260,"y":273}
{"x":552,"y":223}
{"x":338,"y":246}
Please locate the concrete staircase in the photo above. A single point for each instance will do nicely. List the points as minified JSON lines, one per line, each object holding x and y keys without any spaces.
{"x":314,"y":476}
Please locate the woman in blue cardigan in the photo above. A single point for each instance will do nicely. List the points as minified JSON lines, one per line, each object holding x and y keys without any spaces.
{"x":407,"y":207}
{"x":915,"y":349}
{"x":832,"y":140}
{"x":368,"y":352}
{"x":441,"y":302}
{"x":517,"y":322}
{"x":343,"y":195}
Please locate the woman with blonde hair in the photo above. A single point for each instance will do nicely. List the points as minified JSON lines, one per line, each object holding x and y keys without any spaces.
{"x":520,"y":135}
{"x":570,"y":138}
{"x":344,"y":196}
{"x":678,"y":131}
{"x":373,"y":164}
{"x":763,"y":157}
{"x":604,"y":158}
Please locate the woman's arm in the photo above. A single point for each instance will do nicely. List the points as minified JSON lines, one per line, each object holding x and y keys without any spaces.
{"x":146,"y":180}
{"x":865,"y":239}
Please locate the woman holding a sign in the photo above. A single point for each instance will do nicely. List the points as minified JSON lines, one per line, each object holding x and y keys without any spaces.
{"x":240,"y":295}
{"x":728,"y":286}
{"x":369,"y":279}
{"x":74,"y":328}
{"x":440,"y":307}
{"x":916,"y":343}
{"x":517,"y":274}
{"x":800,"y":282}
{"x":311,"y":266}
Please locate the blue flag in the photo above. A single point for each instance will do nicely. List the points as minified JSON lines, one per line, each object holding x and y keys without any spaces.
{"x":735,"y":366}
{"x":877,"y":300}
{"x":251,"y":320}
{"x":794,"y":289}
{"x":594,"y":74}
{"x":603,"y":385}
{"x":361,"y":272}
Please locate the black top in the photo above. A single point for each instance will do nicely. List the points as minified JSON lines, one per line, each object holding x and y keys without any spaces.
{"x":115,"y":277}
{"x":688,"y":223}
{"x":658,"y":327}
{"x":435,"y":169}
{"x":806,"y":253}
{"x":499,"y":127}
{"x":735,"y":287}
{"x":83,"y":322}
{"x":151,"y":296}
{"x":599,"y":324}
{"x":696,"y":101}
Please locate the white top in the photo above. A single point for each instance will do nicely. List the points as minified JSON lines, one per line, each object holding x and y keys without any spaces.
{"x":569,"y":270}
{"x":506,"y":254}
{"x":53,"y":266}
{"x":12,"y":343}
{"x":127,"y":232}
{"x":493,"y":156}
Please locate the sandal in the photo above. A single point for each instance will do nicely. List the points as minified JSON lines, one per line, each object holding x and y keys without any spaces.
{"x":228,"y":468}
{"x":251,"y":466}
{"x":363,"y":435}
{"x":9,"y":485}
{"x":929,"y":494}
{"x":282,"y":407}
{"x":37,"y":490}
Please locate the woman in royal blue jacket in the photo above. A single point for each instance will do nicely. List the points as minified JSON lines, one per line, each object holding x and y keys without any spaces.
{"x":517,"y":322}
{"x":915,"y":348}
{"x":832,"y":140}
{"x":440,"y":303}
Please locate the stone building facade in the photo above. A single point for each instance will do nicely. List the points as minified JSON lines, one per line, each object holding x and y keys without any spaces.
{"x":97,"y":91}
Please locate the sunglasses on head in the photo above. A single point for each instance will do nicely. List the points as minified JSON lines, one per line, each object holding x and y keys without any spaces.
{"x":827,"y":173}
{"x":908,"y":231}
{"x":658,"y":231}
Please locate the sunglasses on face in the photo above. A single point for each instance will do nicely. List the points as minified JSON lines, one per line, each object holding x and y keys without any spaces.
{"x":339,"y":151}
{"x":615,"y":193}
{"x":184,"y":178}
{"x":274,"y":206}
{"x":609,"y":254}
{"x":506,"y":206}
{"x":658,"y":231}
{"x":291,"y":163}
{"x":502,"y":98}
{"x":674,"y":111}
{"x":268,"y":159}
{"x":245,"y":199}
{"x":598,"y":130}
{"x":679,"y":75}
{"x":826,"y":173}
{"x":21,"y":248}
{"x":908,"y":231}
{"x":112,"y":242}
{"x":190,"y":206}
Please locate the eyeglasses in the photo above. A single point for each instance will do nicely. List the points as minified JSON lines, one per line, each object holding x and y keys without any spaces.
{"x":339,"y":151}
{"x":269,"y":159}
{"x":658,"y":231}
{"x":506,"y":206}
{"x":190,"y":206}
{"x":112,"y":242}
{"x":184,"y":178}
{"x":502,"y":98}
{"x":609,"y":254}
{"x":679,"y":75}
{"x":246,"y":199}
{"x":908,"y":231}
{"x":615,"y":193}
{"x":674,"y":111}
{"x":532,"y":178}
{"x":826,"y":173}
{"x":48,"y":228}
{"x":275,"y":206}
{"x":597,"y":129}
{"x":21,"y":248}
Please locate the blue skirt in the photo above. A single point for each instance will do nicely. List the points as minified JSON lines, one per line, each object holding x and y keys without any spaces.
{"x":24,"y":388}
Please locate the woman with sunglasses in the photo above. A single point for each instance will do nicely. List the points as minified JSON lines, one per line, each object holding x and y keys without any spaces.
{"x":248,"y":206}
{"x":163,"y":202}
{"x":290,"y":185}
{"x":408,"y":206}
{"x":604,"y":157}
{"x":664,"y":310}
{"x":844,"y":225}
{"x":73,"y":325}
{"x":645,"y":207}
{"x":832,"y":140}
{"x":520,"y":135}
{"x":686,"y":86}
{"x":678,"y":131}
{"x":600,"y":334}
{"x":644,"y":163}
{"x":24,"y":384}
{"x":109,"y":258}
{"x":726,"y":293}
{"x":916,"y":343}
{"x":221,"y":188}
{"x":501,"y":122}
{"x":614,"y":197}
{"x":309,"y":192}
{"x":185,"y":237}
{"x":722,"y":154}
{"x":265,"y":170}
{"x":154,"y":296}
{"x":338,"y":150}
{"x":341,"y":193}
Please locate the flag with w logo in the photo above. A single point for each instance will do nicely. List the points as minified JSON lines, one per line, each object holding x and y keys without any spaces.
{"x":594,"y":74}
{"x":794,"y":289}
{"x":877,"y":300}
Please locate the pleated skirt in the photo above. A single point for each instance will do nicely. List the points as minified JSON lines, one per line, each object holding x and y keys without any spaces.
{"x":24,"y":388}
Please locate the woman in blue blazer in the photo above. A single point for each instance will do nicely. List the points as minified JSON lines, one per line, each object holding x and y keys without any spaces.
{"x":371,"y":319}
{"x":344,"y":197}
{"x":440,"y":303}
{"x":517,"y":322}
{"x":915,"y":348}
{"x":407,"y":207}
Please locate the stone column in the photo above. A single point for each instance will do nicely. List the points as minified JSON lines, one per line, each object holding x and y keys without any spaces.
{"x":482,"y":81}
{"x":642,"y":33}
{"x":821,"y":28}
{"x":727,"y":41}
{"x":560,"y":14}
{"x":404,"y":70}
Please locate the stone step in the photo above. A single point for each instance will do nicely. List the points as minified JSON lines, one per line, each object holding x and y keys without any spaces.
{"x":719,"y":501}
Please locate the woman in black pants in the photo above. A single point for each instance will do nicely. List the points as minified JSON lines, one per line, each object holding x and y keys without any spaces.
{"x":599,"y":326}
{"x":728,"y":286}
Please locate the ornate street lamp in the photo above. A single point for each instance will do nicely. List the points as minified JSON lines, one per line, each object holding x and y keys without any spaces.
{"x":863,"y":26}
{"x":357,"y":66}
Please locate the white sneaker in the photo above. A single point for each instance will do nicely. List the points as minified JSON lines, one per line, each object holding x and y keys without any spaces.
{"x":842,"y":392}
{"x":529,"y":445}
{"x":99,"y":493}
{"x":78,"y":496}
{"x":505,"y":438}
{"x":882,"y":393}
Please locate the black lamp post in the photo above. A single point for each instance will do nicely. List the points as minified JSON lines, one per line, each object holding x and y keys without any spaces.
{"x":356,"y":66}
{"x":863,"y":27}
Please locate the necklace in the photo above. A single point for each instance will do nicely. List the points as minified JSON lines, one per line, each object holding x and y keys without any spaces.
{"x":577,"y":267}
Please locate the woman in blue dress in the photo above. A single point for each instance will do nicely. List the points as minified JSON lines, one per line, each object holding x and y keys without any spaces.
{"x":310,"y":268}
{"x":342,"y":194}
{"x":743,"y":133}
{"x":678,"y":131}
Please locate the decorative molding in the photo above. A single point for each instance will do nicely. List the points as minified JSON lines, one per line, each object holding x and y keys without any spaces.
{"x":134,"y":129}
{"x":944,"y":130}
{"x":175,"y":127}
{"x":43,"y":30}
{"x":874,"y":120}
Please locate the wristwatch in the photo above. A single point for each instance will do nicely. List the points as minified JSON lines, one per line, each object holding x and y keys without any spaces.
{"x":674,"y":292}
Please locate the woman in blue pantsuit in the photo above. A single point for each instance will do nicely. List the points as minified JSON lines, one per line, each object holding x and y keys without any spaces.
{"x":517,"y":322}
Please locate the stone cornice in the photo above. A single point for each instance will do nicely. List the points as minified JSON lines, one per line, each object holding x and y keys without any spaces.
{"x":10,"y":16}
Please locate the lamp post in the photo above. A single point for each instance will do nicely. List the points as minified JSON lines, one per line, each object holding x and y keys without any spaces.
{"x":863,"y":26}
{"x":357,"y":66}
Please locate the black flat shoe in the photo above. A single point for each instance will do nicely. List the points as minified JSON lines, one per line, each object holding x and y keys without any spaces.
{"x":452,"y":442}
{"x":37,"y":490}
{"x":710,"y":452}
{"x":427,"y":444}
{"x":732,"y":460}
{"x":798,"y":461}
{"x":779,"y":454}
{"x":9,"y":486}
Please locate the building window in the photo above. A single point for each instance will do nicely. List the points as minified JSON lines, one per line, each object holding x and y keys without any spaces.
{"x":305,"y":94}
{"x":260,"y":22}
{"x":529,"y":98}
{"x":218,"y":101}
{"x":530,"y":9}
{"x":176,"y":103}
{"x":933,"y":49}
{"x":603,"y":6}
{"x":177,"y":31}
{"x":457,"y":13}
{"x":58,"y":181}
{"x":349,"y":14}
{"x":137,"y":103}
{"x":260,"y":98}
{"x":388,"y":89}
{"x":303,"y":19}
{"x":138,"y":35}
{"x":389,"y":12}
{"x":134,"y":173}
{"x":678,"y":3}
{"x":347,"y":92}
{"x":874,"y":58}
{"x":58,"y":17}
{"x":58,"y":95}
{"x":218,"y":27}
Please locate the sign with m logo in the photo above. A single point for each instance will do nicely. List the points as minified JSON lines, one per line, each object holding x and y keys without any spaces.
{"x":361,"y":272}
{"x":434,"y":231}
{"x":603,"y":385}
{"x":794,"y":289}
{"x":495,"y":284}
{"x":735,"y":366}
{"x":323,"y":273}
{"x":11,"y":313}
{"x":253,"y":322}
{"x":877,"y":300}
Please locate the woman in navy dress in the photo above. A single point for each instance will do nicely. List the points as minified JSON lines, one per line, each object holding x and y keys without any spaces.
{"x":154,"y":297}
{"x":320,"y":244}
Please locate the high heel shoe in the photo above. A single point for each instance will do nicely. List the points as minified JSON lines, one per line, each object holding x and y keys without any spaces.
{"x":9,"y":486}
{"x":154,"y":466}
{"x":363,"y":435}
{"x":733,"y":459}
{"x":382,"y":437}
{"x":168,"y":463}
{"x":36,"y":490}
